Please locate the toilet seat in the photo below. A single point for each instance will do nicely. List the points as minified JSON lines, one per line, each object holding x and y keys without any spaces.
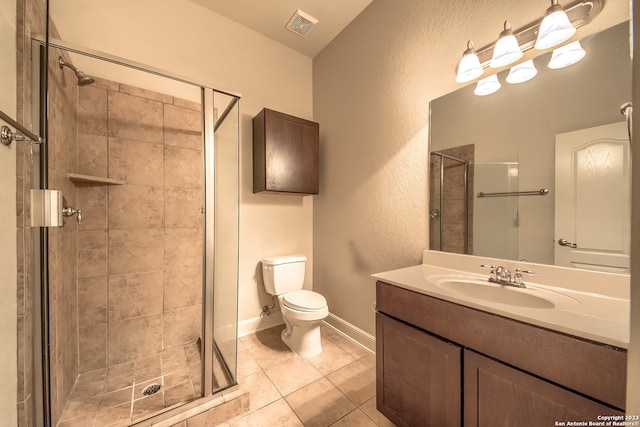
{"x":304,"y":300}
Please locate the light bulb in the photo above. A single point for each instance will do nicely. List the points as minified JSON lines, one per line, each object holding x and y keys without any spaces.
{"x":507,"y":51}
{"x":522,"y":72}
{"x":567,"y":55}
{"x":555,"y":28}
{"x":469,"y":67}
{"x":487,"y":86}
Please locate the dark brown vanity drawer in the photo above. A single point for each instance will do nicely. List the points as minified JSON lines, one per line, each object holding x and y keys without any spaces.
{"x":590,"y":368}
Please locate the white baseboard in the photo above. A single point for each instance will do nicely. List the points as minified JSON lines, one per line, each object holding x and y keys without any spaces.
{"x":352,"y":332}
{"x":357,"y":335}
{"x":255,"y":324}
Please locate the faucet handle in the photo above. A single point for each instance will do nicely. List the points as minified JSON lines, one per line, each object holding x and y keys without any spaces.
{"x":517,"y":277}
{"x":69,"y":211}
{"x":491,"y":267}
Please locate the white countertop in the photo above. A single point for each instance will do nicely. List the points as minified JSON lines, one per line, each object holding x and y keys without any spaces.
{"x":585,"y":314}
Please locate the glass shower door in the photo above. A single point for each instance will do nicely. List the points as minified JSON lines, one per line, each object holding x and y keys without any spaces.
{"x":449,"y":204}
{"x":225,"y":293}
{"x":154,"y":169}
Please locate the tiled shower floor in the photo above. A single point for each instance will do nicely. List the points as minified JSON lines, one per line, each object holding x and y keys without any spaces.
{"x":335,"y":388}
{"x":113,"y":396}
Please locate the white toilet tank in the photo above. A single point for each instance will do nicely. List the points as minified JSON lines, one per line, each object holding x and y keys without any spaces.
{"x":283,"y":274}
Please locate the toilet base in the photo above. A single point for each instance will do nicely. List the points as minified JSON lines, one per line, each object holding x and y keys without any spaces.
{"x":303,"y":340}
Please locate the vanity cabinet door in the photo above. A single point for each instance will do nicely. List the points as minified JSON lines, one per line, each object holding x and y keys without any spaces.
{"x":418,"y":376}
{"x":498,"y":395}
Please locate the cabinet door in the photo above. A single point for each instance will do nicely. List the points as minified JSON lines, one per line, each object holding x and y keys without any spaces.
{"x":286,"y":154}
{"x":497,"y":395}
{"x":417,"y":376}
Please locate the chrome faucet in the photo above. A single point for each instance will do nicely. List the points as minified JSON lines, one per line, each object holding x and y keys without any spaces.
{"x":502,"y":276}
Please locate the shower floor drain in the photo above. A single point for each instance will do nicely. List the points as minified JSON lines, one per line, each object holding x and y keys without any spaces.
{"x":149,"y":390}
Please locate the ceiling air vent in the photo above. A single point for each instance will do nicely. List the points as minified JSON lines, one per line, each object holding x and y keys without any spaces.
{"x":301,"y":23}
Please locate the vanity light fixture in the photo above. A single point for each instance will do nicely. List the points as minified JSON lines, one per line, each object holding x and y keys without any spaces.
{"x":487,"y":86}
{"x":522,"y":72}
{"x":543,"y":33}
{"x":555,"y":28}
{"x":469,"y":67}
{"x":567,"y":55}
{"x":507,"y":50}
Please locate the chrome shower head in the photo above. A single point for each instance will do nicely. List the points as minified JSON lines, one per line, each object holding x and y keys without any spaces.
{"x":83,"y":79}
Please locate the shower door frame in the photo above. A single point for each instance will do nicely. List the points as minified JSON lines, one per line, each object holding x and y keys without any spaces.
{"x":466,"y":198}
{"x":208,"y":118}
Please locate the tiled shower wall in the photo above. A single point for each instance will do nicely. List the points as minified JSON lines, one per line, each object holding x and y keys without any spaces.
{"x":140,"y":244}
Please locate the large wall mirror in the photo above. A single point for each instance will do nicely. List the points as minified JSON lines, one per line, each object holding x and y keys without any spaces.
{"x":538,"y":170}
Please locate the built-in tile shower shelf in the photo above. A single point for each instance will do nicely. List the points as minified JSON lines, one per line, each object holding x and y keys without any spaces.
{"x":93,"y":180}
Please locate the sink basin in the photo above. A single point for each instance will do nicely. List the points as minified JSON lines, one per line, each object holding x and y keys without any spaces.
{"x":492,"y":292}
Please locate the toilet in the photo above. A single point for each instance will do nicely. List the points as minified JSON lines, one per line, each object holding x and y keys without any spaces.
{"x":302,"y":310}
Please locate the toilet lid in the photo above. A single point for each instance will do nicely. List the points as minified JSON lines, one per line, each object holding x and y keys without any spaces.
{"x":304,"y":300}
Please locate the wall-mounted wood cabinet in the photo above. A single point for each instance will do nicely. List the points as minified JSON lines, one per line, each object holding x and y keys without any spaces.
{"x":285,"y":154}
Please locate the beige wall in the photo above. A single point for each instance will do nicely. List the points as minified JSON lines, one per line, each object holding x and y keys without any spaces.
{"x":8,"y":265}
{"x":372,"y":87}
{"x":188,"y":40}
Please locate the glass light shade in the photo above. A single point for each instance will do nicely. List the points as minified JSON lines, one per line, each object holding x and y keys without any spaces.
{"x":469,"y":67}
{"x":507,"y":51}
{"x":487,"y":86}
{"x":555,"y":28}
{"x":567,"y":55}
{"x":522,"y":72}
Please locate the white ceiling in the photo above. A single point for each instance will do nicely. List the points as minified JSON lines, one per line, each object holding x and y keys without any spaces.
{"x":269,"y":18}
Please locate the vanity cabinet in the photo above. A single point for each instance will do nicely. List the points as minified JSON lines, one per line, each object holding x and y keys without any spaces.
{"x":508,"y":372}
{"x":418,"y":376}
{"x":285,"y":154}
{"x":498,"y":395}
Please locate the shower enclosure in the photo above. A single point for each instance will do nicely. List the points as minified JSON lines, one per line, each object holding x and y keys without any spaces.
{"x":450,"y":200}
{"x":138,"y":289}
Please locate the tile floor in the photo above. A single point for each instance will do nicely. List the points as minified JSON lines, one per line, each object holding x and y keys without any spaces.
{"x":113,"y":396}
{"x":335,"y":388}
